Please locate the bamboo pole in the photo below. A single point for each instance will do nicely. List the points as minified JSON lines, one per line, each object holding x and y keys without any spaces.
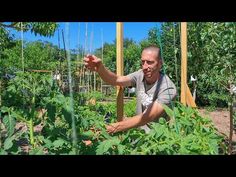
{"x":176,"y":62}
{"x":93,"y":73}
{"x":94,"y":81}
{"x":119,"y":69}
{"x":80,"y":74}
{"x":78,"y":64}
{"x":102,"y":54}
{"x":22,"y":47}
{"x":86,"y":52}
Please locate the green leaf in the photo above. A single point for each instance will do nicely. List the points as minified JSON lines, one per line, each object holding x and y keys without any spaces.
{"x":51,"y":109}
{"x":4,"y":109}
{"x":10,"y":123}
{"x":67,"y":113}
{"x":3,"y":152}
{"x":36,"y":151}
{"x":121,"y":149}
{"x":48,"y":143}
{"x":168,"y":111}
{"x":163,"y":147}
{"x":15,"y":149}
{"x":87,"y":134}
{"x":104,"y":146}
{"x":162,"y":121}
{"x":58,"y":143}
{"x":8,"y":143}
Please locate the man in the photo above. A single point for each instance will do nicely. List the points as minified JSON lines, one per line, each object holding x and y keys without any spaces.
{"x":152,"y":88}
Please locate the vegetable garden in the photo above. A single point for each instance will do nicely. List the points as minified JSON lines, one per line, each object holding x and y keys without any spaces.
{"x":49,"y":104}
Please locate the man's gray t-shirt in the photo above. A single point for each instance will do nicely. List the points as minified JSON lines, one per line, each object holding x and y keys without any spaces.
{"x":163,"y":92}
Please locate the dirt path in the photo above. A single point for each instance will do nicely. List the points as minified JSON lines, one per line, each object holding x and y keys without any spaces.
{"x":220,"y":119}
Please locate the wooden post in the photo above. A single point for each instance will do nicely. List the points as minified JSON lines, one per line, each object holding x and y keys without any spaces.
{"x":119,"y":69}
{"x":186,"y":96}
{"x":183,"y":62}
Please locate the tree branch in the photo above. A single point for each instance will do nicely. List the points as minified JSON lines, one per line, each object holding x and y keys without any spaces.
{"x":12,"y":25}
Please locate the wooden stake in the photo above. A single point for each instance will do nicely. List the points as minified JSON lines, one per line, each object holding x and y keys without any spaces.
{"x":119,"y":68}
{"x":183,"y":62}
{"x":189,"y":98}
{"x":186,"y":96}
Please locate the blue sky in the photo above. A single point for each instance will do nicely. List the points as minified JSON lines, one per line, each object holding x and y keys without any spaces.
{"x":135,"y":30}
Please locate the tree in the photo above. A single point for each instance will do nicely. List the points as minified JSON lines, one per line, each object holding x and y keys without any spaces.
{"x":6,"y":40}
{"x":211,"y":53}
{"x":37,"y":55}
{"x":46,"y":29}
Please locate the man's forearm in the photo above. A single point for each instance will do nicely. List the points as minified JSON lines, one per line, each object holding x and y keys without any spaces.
{"x":154,"y":111}
{"x":107,"y":76}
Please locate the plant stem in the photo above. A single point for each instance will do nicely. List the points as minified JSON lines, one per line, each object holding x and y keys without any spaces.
{"x":31,"y":128}
{"x":0,"y":133}
{"x":0,"y":113}
{"x":0,"y":93}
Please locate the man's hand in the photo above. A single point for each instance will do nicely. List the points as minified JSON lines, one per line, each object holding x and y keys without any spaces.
{"x":112,"y":128}
{"x":117,"y":127}
{"x":92,"y":63}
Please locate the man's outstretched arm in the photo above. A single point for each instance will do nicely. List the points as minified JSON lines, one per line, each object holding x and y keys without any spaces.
{"x":94,"y":63}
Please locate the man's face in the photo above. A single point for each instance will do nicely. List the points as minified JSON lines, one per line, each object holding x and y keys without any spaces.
{"x":150,"y":64}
